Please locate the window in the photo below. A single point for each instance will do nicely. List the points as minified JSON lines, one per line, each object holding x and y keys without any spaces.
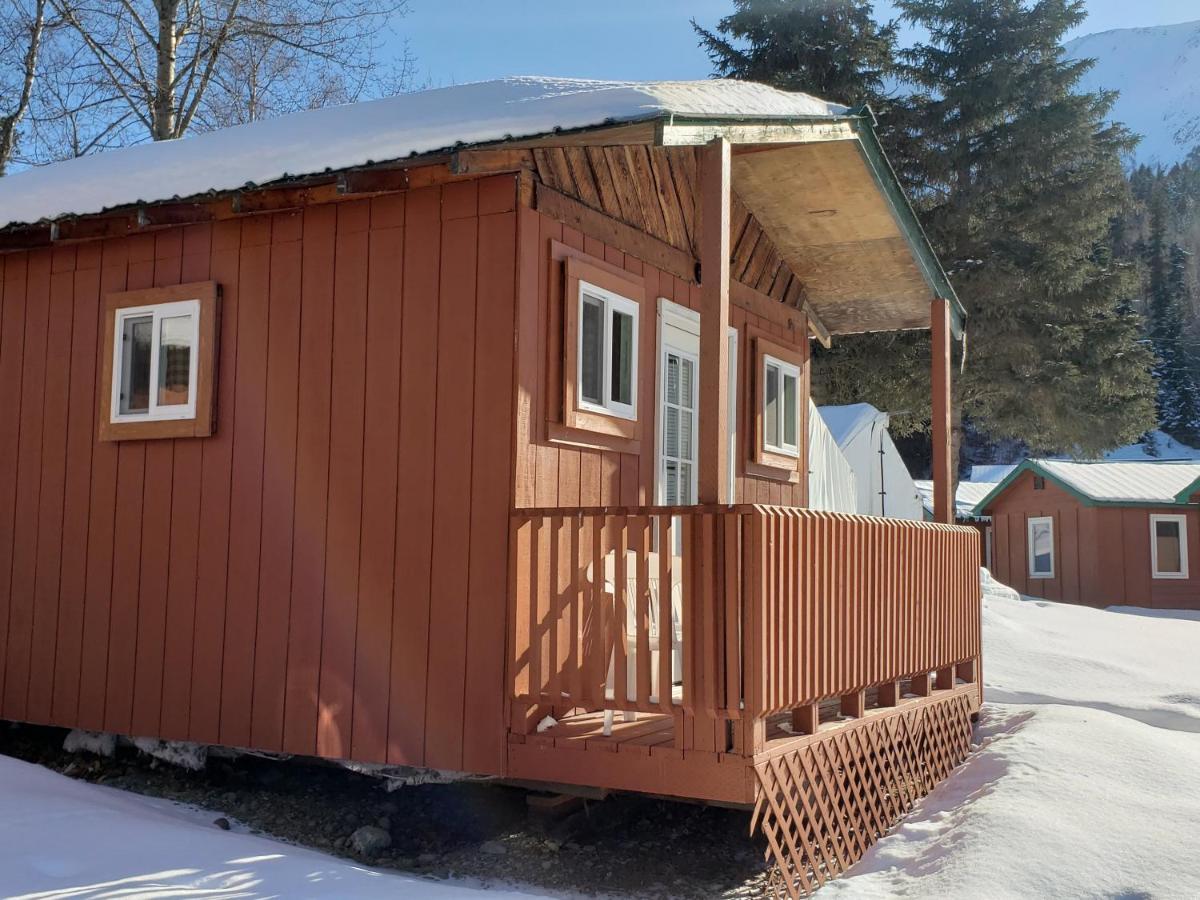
{"x":155,"y":362}
{"x":159,"y":351}
{"x":1039,"y":483}
{"x":1041,"y":547}
{"x":601,"y":350}
{"x":1168,"y":546}
{"x":607,"y":352}
{"x":781,"y":407}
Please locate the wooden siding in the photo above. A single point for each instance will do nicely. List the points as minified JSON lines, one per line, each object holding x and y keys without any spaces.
{"x":321,"y":573}
{"x":553,"y":473}
{"x":1101,"y":553}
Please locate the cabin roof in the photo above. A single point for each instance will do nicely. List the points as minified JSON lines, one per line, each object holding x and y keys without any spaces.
{"x":811,"y":172}
{"x":1159,"y":483}
{"x":358,"y":134}
{"x":967,"y":495}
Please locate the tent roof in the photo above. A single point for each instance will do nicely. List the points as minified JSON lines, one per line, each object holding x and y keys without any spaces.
{"x":845,"y":422}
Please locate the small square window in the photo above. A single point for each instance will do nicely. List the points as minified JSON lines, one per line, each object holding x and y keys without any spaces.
{"x":159,"y":358}
{"x":155,"y":362}
{"x":1039,"y":483}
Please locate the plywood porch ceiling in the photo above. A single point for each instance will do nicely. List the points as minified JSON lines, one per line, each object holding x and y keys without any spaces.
{"x":834,"y":229}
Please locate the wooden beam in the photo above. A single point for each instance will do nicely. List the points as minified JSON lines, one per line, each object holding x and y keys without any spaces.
{"x":943,"y":465}
{"x":490,"y":162}
{"x":758,"y":303}
{"x":714,"y":202}
{"x":820,"y":332}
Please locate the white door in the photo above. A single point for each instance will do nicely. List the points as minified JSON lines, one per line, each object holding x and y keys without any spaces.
{"x":679,"y":402}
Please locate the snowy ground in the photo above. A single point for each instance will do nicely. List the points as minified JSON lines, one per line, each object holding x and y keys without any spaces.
{"x":1087,"y":783}
{"x":62,"y":839}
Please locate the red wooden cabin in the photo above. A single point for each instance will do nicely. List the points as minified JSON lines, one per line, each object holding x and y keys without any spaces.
{"x":372,"y":433}
{"x":1101,"y":534}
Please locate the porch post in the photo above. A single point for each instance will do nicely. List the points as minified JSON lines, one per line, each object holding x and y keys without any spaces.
{"x":713,"y":463}
{"x":943,"y":465}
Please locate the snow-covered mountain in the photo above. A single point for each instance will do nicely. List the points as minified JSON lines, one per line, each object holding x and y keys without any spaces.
{"x":1157,"y":71}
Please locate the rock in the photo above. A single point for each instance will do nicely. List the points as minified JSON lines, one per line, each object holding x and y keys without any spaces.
{"x":493,"y":848}
{"x":369,"y":840}
{"x":385,"y":823}
{"x":222,"y":823}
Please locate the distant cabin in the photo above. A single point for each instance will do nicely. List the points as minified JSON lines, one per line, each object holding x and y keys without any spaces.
{"x":1099,"y":533}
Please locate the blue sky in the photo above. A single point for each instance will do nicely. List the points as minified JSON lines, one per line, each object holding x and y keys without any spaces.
{"x":468,"y":40}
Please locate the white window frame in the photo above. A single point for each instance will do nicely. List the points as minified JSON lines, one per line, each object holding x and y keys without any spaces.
{"x":1029,"y":526}
{"x":157,"y":312}
{"x":785,"y":369}
{"x":1155,"y":518}
{"x":611,"y":301}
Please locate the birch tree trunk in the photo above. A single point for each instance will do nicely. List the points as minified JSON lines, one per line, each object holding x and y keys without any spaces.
{"x":11,"y":119}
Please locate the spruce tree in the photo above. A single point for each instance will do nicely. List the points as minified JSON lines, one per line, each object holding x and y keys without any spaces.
{"x":1017,"y":175}
{"x":833,"y":49}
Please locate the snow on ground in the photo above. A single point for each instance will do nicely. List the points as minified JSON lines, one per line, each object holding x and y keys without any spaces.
{"x":61,"y":839}
{"x":1087,"y":780}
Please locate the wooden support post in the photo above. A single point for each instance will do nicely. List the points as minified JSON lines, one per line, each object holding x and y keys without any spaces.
{"x":714,"y":200}
{"x":920,"y":685}
{"x":854,"y":704}
{"x":889,"y":694}
{"x":945,"y":678}
{"x":806,"y":719}
{"x":966,"y":670}
{"x":943,"y":464}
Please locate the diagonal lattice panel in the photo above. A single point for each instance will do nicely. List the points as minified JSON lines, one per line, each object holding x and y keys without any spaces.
{"x":823,"y":805}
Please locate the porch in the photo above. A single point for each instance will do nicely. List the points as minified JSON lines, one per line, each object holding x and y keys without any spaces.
{"x":818,"y":667}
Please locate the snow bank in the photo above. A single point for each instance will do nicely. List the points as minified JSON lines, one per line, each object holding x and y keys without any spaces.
{"x":338,"y":137}
{"x":1087,"y":781}
{"x":61,"y":838}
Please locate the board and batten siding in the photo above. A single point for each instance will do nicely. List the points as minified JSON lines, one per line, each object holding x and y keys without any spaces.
{"x":325,"y":574}
{"x":559,"y":474}
{"x":1102,"y":553}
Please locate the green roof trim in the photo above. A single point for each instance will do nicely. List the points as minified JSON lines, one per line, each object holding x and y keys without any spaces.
{"x":906,"y":218}
{"x":1185,"y":495}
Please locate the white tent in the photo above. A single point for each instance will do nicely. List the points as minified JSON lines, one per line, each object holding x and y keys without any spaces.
{"x":884,"y":486}
{"x":831,"y":483}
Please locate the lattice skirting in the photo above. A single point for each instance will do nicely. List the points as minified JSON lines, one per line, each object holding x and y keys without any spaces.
{"x":821,"y":806}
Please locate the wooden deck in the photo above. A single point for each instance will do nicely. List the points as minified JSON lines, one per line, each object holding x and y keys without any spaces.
{"x":823,"y":668}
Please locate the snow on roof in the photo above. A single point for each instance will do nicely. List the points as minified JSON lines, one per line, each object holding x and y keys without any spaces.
{"x":966,"y":496}
{"x":1134,"y":483}
{"x":991,"y":474}
{"x":844,"y":422}
{"x":339,"y":137}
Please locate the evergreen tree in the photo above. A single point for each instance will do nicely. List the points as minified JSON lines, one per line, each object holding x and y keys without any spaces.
{"x":833,"y":49}
{"x":1168,"y":299}
{"x":1018,"y":178}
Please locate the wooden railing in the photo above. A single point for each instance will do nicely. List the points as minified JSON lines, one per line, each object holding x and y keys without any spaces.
{"x":731,"y":612}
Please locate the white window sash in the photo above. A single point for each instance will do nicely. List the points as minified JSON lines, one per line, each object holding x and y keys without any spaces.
{"x":157,"y":312}
{"x":1031,"y":527}
{"x":785,"y":370}
{"x":610,"y":303}
{"x":1183,"y":546}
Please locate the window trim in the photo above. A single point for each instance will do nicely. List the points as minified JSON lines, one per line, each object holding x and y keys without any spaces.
{"x":1182,"y":574}
{"x":197,"y":419}
{"x":157,"y":312}
{"x":613,"y":302}
{"x":785,"y":369}
{"x":1029,"y":526}
{"x":761,"y":461}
